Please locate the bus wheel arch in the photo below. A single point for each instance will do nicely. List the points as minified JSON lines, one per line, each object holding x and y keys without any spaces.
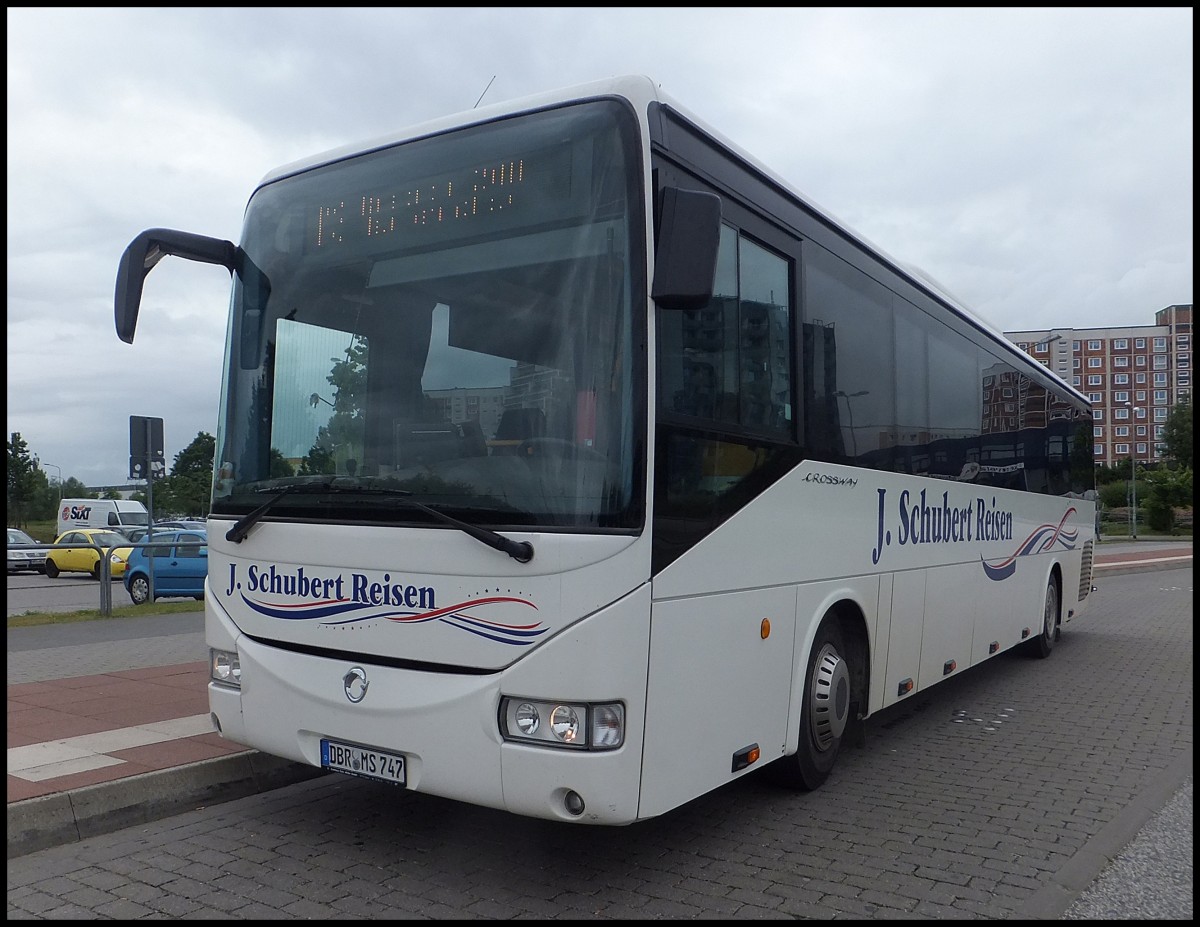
{"x":835,"y":689}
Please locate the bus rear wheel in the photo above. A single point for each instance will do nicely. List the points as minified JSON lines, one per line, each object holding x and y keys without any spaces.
{"x":1042,"y":645}
{"x":824,"y":711}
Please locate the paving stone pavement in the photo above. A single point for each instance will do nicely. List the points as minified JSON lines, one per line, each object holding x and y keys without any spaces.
{"x":935,"y":818}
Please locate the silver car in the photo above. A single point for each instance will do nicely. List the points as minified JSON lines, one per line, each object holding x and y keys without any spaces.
{"x":19,"y":560}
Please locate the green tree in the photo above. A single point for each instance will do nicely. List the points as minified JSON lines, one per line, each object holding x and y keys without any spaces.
{"x":341,"y":437}
{"x":75,"y":489}
{"x":280,"y":466}
{"x":1168,"y":490}
{"x":44,"y":506}
{"x":1114,"y":495}
{"x":1114,"y":473}
{"x":23,"y":481}
{"x":320,"y":456}
{"x":188,"y":490}
{"x":1177,"y":434}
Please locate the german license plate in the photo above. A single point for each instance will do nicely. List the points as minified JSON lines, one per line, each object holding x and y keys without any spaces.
{"x":366,"y":762}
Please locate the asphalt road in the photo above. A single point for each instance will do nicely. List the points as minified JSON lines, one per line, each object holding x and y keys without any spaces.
{"x":67,"y":592}
{"x":1068,"y":798}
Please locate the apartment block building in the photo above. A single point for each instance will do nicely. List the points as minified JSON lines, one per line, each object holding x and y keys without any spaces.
{"x":1134,"y":375}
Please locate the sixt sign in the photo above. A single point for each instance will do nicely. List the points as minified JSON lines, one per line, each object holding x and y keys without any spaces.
{"x":76,"y":512}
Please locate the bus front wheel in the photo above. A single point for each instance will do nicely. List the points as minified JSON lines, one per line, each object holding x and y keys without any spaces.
{"x":824,"y":711}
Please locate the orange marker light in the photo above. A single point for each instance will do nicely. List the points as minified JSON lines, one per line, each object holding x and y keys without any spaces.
{"x":764,"y":631}
{"x":746,"y":757}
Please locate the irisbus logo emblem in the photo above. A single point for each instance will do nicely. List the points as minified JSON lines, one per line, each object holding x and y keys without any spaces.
{"x":354,"y":684}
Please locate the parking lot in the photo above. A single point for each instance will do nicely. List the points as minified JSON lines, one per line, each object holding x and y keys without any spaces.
{"x":68,"y":592}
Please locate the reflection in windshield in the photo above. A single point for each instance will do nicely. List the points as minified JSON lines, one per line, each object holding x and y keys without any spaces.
{"x":452,"y":319}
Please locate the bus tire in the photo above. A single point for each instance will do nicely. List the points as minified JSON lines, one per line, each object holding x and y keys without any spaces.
{"x":1042,"y":645}
{"x":824,"y":711}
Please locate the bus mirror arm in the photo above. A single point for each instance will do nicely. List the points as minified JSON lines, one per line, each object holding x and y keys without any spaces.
{"x":141,"y":256}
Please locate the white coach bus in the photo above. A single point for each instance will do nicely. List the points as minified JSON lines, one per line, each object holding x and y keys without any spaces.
{"x":571,"y":462}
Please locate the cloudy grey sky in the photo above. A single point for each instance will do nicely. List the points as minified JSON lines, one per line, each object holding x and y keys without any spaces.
{"x":1037,"y":162}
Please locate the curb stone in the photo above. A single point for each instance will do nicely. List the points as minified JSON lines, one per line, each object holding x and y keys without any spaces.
{"x":53,"y":820}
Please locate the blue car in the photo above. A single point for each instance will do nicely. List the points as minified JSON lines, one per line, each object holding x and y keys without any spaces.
{"x":180,"y":559}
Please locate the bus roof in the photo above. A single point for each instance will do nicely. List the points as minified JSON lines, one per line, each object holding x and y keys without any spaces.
{"x":640,"y":91}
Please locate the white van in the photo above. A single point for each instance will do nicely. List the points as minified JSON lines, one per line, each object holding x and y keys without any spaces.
{"x":117,"y":514}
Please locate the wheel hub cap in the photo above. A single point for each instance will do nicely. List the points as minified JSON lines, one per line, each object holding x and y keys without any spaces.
{"x":829,"y":703}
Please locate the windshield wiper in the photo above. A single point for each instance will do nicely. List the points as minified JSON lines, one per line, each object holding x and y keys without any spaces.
{"x":521,"y":551}
{"x":242,"y":526}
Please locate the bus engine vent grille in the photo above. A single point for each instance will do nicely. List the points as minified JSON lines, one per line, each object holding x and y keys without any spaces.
{"x":1085,"y":570}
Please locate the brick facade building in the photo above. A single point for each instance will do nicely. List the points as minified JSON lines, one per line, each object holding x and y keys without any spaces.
{"x":1134,"y":375}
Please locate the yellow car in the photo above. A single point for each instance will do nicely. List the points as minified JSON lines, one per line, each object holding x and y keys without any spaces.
{"x":85,"y":559}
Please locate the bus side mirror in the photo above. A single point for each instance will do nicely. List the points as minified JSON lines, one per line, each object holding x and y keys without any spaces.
{"x":144,"y":252}
{"x":253,"y":292}
{"x":685,"y":256}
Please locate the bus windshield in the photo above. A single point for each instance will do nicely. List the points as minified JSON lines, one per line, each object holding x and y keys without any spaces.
{"x":449,"y":319}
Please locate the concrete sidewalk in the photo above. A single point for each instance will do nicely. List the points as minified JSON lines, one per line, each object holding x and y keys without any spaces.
{"x":91,"y":754}
{"x":88,"y":755}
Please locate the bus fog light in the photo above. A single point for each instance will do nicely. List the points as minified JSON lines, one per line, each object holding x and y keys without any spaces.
{"x":225,"y":668}
{"x":573,"y":802}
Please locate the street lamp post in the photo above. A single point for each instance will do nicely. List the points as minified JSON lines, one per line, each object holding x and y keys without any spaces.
{"x":60,"y":477}
{"x":1132,"y":496}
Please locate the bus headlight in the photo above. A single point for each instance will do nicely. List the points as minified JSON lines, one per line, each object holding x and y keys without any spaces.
{"x":225,"y":668}
{"x":575,"y":725}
